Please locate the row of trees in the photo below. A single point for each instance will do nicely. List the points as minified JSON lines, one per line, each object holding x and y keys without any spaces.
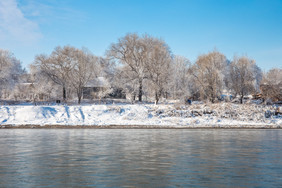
{"x":142,"y":66}
{"x":148,"y":59}
{"x":213,"y":72}
{"x":68,"y":67}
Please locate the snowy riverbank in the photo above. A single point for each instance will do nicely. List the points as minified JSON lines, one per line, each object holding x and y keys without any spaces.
{"x":223,"y":115}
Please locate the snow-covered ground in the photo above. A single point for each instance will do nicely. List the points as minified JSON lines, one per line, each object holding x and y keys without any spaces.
{"x":195,"y":115}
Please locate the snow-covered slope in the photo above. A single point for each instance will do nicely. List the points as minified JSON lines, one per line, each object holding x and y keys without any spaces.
{"x":139,"y":114}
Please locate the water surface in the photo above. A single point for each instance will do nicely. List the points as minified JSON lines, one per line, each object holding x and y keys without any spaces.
{"x":140,"y":158}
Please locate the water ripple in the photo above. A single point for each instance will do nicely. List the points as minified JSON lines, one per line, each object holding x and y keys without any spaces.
{"x":140,"y":158}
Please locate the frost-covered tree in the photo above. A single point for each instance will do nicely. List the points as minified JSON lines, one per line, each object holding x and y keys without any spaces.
{"x":57,"y":66}
{"x":179,"y":76}
{"x":130,"y":51}
{"x":143,"y":64}
{"x":83,"y":70}
{"x":106,"y":68}
{"x":10,"y":71}
{"x":158,"y":65}
{"x":208,"y":74}
{"x":69,"y":67}
{"x":271,"y":86}
{"x":123,"y":78}
{"x":244,"y":76}
{"x":43,"y":86}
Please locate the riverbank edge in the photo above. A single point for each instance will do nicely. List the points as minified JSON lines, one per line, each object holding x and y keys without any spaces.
{"x":140,"y":127}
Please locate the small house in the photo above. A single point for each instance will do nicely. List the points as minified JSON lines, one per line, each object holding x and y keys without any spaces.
{"x":96,"y":88}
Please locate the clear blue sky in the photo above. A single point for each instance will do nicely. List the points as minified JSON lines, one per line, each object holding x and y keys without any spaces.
{"x":190,"y":28}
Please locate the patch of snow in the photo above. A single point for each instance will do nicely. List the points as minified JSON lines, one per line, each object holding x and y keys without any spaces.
{"x":195,"y":115}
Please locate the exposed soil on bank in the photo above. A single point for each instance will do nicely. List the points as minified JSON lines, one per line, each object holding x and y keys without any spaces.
{"x":139,"y":127}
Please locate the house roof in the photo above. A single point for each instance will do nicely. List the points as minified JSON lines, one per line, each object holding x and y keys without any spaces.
{"x":98,"y":82}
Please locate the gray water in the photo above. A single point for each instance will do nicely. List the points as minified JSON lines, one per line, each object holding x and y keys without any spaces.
{"x":140,"y":158}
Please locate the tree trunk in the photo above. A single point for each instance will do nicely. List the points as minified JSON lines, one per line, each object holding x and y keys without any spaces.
{"x":79,"y":95}
{"x":241,"y":99}
{"x":140,"y":90}
{"x":79,"y":98}
{"x":64,"y":93}
{"x":156,"y":98}
{"x":212,"y":98}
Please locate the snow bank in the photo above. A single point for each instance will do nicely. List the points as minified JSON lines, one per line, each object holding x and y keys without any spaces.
{"x":196,"y":115}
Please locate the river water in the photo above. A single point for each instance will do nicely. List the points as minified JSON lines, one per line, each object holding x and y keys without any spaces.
{"x":140,"y":158}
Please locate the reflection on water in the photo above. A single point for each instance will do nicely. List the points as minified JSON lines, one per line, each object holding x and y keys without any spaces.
{"x":140,"y":158}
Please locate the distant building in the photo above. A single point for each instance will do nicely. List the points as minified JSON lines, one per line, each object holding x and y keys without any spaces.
{"x":99,"y":88}
{"x":95,"y":88}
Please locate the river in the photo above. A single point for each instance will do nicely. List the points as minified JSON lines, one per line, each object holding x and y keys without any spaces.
{"x":140,"y":158}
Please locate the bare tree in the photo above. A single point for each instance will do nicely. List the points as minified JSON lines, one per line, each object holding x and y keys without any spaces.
{"x":158,"y":64}
{"x":58,"y":66}
{"x":208,"y":74}
{"x":271,"y":86}
{"x":83,"y":70}
{"x":242,"y":76}
{"x":179,"y":84}
{"x":123,"y":78}
{"x":69,"y":67}
{"x":130,"y":51}
{"x":44,"y":87}
{"x":10,"y":71}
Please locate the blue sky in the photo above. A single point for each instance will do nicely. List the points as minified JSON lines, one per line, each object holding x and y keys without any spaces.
{"x":190,"y":28}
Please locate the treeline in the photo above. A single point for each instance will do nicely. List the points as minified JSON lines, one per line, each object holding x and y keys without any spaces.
{"x":138,"y":66}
